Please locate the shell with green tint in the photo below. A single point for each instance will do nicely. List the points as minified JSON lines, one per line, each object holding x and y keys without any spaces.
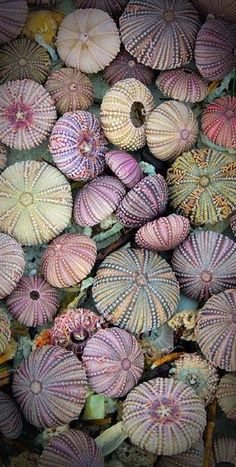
{"x":5,"y":331}
{"x":202,"y":186}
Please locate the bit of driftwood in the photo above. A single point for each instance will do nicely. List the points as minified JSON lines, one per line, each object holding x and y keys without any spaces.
{"x":167,"y":358}
{"x":126,"y":237}
{"x":209,"y":433}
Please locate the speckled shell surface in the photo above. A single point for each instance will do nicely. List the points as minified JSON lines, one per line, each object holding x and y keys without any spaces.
{"x":10,"y":418}
{"x":124,"y":166}
{"x":35,"y":202}
{"x":183,"y":85}
{"x":151,"y":32}
{"x":72,"y":448}
{"x":193,"y":457}
{"x":224,"y":9}
{"x":78,"y":145}
{"x":201,"y":185}
{"x":225,"y":450}
{"x":12,"y":264}
{"x":219,"y":122}
{"x":50,"y":387}
{"x":164,"y":233}
{"x":148,"y":199}
{"x":124,"y":112}
{"x":68,"y":259}
{"x":5,"y":331}
{"x":10,"y":22}
{"x":216,"y":330}
{"x":113,"y":361}
{"x":163,"y":416}
{"x":125,"y":66}
{"x":88,"y":40}
{"x":226,"y":395}
{"x":3,"y":157}
{"x":97,"y":199}
{"x":113,"y":7}
{"x":135,"y":289}
{"x":171,"y":129}
{"x":204,"y":264}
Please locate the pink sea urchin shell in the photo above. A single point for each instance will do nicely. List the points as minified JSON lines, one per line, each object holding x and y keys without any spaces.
{"x":226,"y":395}
{"x":219,"y":122}
{"x":10,"y":418}
{"x":193,"y":457}
{"x":97,"y":200}
{"x":12,"y":264}
{"x":113,"y":362}
{"x":125,"y":66}
{"x":224,"y":450}
{"x":163,"y":234}
{"x":5,"y":331}
{"x":124,"y":166}
{"x":13,"y":14}
{"x":183,"y":85}
{"x":50,"y":387}
{"x":113,"y":7}
{"x":224,"y":9}
{"x":78,"y":145}
{"x":68,"y":259}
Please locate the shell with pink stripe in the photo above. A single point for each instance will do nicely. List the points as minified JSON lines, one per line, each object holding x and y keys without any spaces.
{"x":124,"y":166}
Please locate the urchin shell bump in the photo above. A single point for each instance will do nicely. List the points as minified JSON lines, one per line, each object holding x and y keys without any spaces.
{"x":226,"y":395}
{"x":183,"y":85}
{"x":10,"y":418}
{"x":10,"y":23}
{"x":193,"y":457}
{"x":12,"y":264}
{"x":219,"y":122}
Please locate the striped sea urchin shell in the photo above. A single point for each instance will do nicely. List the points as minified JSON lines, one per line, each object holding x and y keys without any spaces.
{"x":224,"y":450}
{"x":135,"y":289}
{"x":163,"y":234}
{"x":13,"y":14}
{"x":171,"y":129}
{"x":72,"y":448}
{"x":148,"y":199}
{"x":224,"y":9}
{"x":34,"y":302}
{"x":78,"y":145}
{"x":124,"y":166}
{"x":204,"y":264}
{"x":10,"y":418}
{"x":113,"y":361}
{"x":3,"y":157}
{"x":50,"y":387}
{"x":113,"y":7}
{"x":163,"y":416}
{"x":124,"y":112}
{"x":216,"y":330}
{"x":27,"y":114}
{"x":125,"y":66}
{"x":35,"y":202}
{"x":215,"y":50}
{"x":193,"y":457}
{"x":12,"y":264}
{"x":183,"y":85}
{"x":219,"y":121}
{"x":5,"y":331}
{"x":88,"y":40}
{"x":201,"y":186}
{"x":151,"y":32}
{"x":226,"y":395}
{"x":68,"y":259}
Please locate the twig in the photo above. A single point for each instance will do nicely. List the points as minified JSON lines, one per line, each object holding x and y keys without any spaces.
{"x":167,"y":358}
{"x":209,"y":433}
{"x":113,"y":246}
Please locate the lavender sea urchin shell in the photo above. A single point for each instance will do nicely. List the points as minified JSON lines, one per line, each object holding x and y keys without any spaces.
{"x":219,"y":122}
{"x":10,"y":22}
{"x":124,"y":166}
{"x":183,"y":85}
{"x":10,"y":418}
{"x":12,"y":264}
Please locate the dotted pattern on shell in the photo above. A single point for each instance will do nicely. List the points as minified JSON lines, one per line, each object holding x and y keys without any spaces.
{"x":124,"y":166}
{"x":88,"y":40}
{"x":182,"y":85}
{"x":78,"y":145}
{"x":216,"y":330}
{"x":113,"y":7}
{"x":11,"y":23}
{"x":125,"y":66}
{"x":226,"y":395}
{"x":215,"y":50}
{"x":113,"y":361}
{"x":124,"y":112}
{"x":50,"y":387}
{"x":148,"y":199}
{"x":35,"y":202}
{"x":193,"y":457}
{"x":34,"y":302}
{"x":70,"y":89}
{"x":224,"y":9}
{"x":163,"y":416}
{"x":136,"y":290}
{"x":201,"y":186}
{"x":12,"y":264}
{"x":219,"y":121}
{"x":233,"y":223}
{"x":3,"y":157}
{"x":97,"y":200}
{"x":68,"y":259}
{"x":5,"y":331}
{"x":160,"y":34}
{"x":72,"y":448}
{"x":204,"y":264}
{"x":224,"y":450}
{"x":171,"y":129}
{"x":27,"y":114}
{"x":163,"y":234}
{"x":10,"y":418}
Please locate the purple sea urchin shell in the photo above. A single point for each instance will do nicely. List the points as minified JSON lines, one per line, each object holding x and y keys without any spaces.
{"x":113,"y":362}
{"x":97,"y":199}
{"x":113,"y":7}
{"x":204,"y":264}
{"x":33,"y":302}
{"x":183,"y":85}
{"x":10,"y":22}
{"x":219,"y":122}
{"x":78,"y":145}
{"x":10,"y":418}
{"x":224,"y":450}
{"x":50,"y":387}
{"x":224,"y":9}
{"x":124,"y":166}
{"x":164,"y":416}
{"x":125,"y":66}
{"x":12,"y":264}
{"x":5,"y":331}
{"x":226,"y":395}
{"x":148,"y":199}
{"x":193,"y":457}
{"x":3,"y":157}
{"x":72,"y":448}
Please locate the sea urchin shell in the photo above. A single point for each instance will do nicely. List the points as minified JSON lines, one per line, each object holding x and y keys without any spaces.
{"x":113,"y":7}
{"x":224,"y":450}
{"x":10,"y":418}
{"x":183,"y":85}
{"x":5,"y":331}
{"x":226,"y":395}
{"x":125,"y":66}
{"x":219,"y":122}
{"x":124,"y":166}
{"x":13,"y":14}
{"x":12,"y":264}
{"x":193,"y":457}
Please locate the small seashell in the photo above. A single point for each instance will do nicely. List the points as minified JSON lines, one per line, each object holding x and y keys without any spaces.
{"x":113,"y":7}
{"x":224,"y":450}
{"x":10,"y":418}
{"x":219,"y":122}
{"x":5,"y":332}
{"x":183,"y":85}
{"x":113,"y":362}
{"x":3,"y":157}
{"x":224,"y":9}
{"x":11,"y":23}
{"x":124,"y":166}
{"x":163,"y":234}
{"x":124,"y":112}
{"x":68,"y":259}
{"x":226,"y":395}
{"x":125,"y":66}
{"x":193,"y":457}
{"x":12,"y":264}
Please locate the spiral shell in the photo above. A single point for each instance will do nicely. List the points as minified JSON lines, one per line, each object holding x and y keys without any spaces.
{"x":113,"y":7}
{"x":78,"y":145}
{"x":193,"y":457}
{"x":124,"y":166}
{"x":124,"y":112}
{"x":226,"y":395}
{"x":125,"y":66}
{"x":10,"y":418}
{"x":12,"y":264}
{"x":35,"y":202}
{"x":136,"y":290}
{"x":219,"y":122}
{"x":182,"y":85}
{"x":88,"y":40}
{"x":225,"y":451}
{"x":3,"y":157}
{"x":50,"y":387}
{"x":204,"y":264}
{"x":148,"y":199}
{"x":13,"y":14}
{"x":5,"y":331}
{"x":68,"y":259}
{"x":224,"y":9}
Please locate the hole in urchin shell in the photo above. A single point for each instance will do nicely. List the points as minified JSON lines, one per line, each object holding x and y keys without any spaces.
{"x":78,"y":336}
{"x":131,"y":63}
{"x":73,"y":87}
{"x":230,"y":113}
{"x":137,"y":114}
{"x":184,"y":134}
{"x":169,"y":16}
{"x":26,"y":199}
{"x":36,"y":387}
{"x":34,"y":295}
